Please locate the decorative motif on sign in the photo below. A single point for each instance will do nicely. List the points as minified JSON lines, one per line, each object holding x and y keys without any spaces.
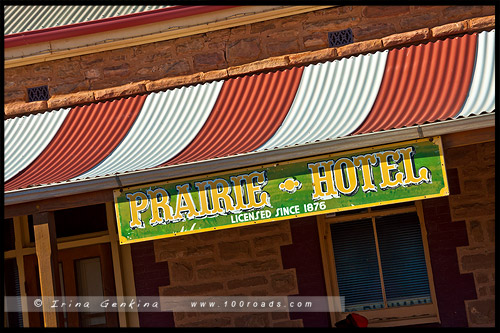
{"x":290,"y":185}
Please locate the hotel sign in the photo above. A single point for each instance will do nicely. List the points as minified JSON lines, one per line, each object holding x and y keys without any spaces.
{"x":404,"y":171}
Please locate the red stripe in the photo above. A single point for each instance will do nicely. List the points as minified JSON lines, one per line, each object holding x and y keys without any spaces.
{"x":88,"y":134}
{"x":423,"y":83}
{"x":247,"y":113}
{"x":107,"y":24}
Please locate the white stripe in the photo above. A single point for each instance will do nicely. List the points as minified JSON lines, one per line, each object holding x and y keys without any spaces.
{"x":26,"y":137}
{"x":332,"y":100}
{"x":481,"y":95}
{"x":167,"y":123}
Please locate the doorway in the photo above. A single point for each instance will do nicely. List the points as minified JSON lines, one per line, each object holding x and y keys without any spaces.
{"x":83,"y":271}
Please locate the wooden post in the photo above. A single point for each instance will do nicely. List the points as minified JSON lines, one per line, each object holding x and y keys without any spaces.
{"x":48,"y":266}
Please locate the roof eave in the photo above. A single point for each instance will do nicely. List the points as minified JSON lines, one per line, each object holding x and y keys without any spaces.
{"x":107,"y":24}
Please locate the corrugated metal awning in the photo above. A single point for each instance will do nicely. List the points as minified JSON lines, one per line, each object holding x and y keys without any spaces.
{"x":35,"y":17}
{"x":376,"y":92}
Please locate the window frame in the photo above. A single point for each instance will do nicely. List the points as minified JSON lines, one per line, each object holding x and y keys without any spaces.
{"x":387,"y":317}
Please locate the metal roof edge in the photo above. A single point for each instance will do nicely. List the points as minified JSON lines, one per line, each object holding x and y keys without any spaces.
{"x":106,"y":24}
{"x":248,"y":159}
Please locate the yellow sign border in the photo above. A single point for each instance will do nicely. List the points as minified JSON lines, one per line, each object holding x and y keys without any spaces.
{"x":444,"y":192}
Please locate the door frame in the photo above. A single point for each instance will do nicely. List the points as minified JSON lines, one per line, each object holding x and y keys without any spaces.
{"x":121,"y":263}
{"x":67,"y":258}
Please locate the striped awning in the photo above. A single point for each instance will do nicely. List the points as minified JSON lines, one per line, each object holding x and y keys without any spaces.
{"x":376,"y":92}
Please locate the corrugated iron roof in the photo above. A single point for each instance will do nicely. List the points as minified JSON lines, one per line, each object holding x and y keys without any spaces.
{"x":247,"y":113}
{"x":426,"y":82}
{"x":168,"y":122}
{"x":325,"y":100}
{"x":87,"y":135}
{"x":22,"y":18}
{"x":376,"y":92}
{"x":26,"y":137}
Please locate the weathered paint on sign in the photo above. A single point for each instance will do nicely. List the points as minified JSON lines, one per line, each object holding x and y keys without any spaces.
{"x":355,"y":179}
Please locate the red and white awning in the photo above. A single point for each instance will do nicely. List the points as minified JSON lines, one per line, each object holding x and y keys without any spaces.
{"x":386,"y":90}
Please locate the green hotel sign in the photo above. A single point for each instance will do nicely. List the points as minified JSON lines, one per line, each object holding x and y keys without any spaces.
{"x":404,"y":171}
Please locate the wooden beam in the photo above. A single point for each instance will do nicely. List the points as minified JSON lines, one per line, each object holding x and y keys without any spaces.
{"x":48,"y":264}
{"x":115,"y":250}
{"x":19,"y":241}
{"x":468,"y":137}
{"x":47,"y":205}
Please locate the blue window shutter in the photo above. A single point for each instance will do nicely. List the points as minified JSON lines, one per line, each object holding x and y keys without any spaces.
{"x":356,"y":265}
{"x":403,"y":260}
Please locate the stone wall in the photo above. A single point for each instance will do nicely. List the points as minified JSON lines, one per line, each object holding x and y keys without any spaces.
{"x":243,"y":261}
{"x":76,"y":79}
{"x":474,"y":205}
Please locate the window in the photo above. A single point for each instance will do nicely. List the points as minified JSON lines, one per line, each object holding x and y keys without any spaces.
{"x":377,"y":260}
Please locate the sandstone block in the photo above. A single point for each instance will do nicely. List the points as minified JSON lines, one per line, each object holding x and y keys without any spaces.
{"x":22,"y":108}
{"x":417,"y":21}
{"x":215,"y":75}
{"x":231,"y":250}
{"x":208,"y":61}
{"x":271,"y":241}
{"x":313,"y":57}
{"x":481,"y":312}
{"x":218,"y":271}
{"x":124,"y":90}
{"x":456,"y":13}
{"x":181,"y":271}
{"x":359,"y":48}
{"x":247,"y":282}
{"x":449,"y":29}
{"x":472,"y":262}
{"x":479,"y":23}
{"x":284,"y":283}
{"x":173,"y":82}
{"x":384,"y":11}
{"x":373,"y":31}
{"x":79,"y":98}
{"x":252,"y":320}
{"x":406,"y":37}
{"x":243,"y":51}
{"x":259,"y":66}
{"x":212,"y":288}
